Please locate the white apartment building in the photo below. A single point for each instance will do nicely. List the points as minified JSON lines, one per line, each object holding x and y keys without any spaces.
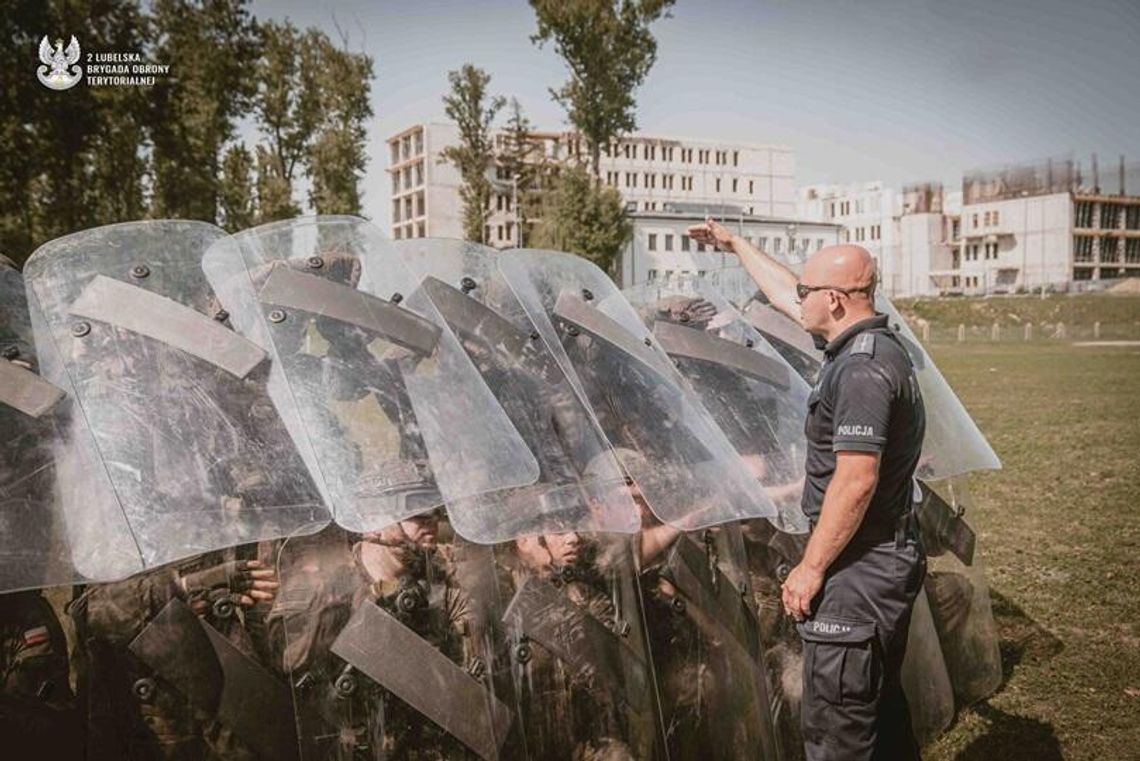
{"x":661,"y":251}
{"x":650,"y":172}
{"x":1042,"y":226}
{"x":867,"y":212}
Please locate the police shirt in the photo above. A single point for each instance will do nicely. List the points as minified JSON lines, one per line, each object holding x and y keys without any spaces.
{"x":866,"y":400}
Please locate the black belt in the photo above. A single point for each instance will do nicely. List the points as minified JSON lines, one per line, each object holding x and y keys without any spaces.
{"x":905,"y":527}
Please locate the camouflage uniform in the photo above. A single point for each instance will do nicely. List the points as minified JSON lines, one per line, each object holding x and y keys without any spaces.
{"x":37,"y":707}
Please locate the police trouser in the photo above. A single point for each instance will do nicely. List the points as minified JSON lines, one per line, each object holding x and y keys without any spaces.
{"x":853,"y":703}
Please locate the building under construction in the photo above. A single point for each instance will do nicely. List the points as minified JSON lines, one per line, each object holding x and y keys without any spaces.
{"x":1045,"y":225}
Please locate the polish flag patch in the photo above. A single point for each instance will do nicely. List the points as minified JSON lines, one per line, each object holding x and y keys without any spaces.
{"x":36,"y":636}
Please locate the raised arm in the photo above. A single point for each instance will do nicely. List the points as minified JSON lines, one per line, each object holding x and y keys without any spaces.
{"x":772,"y":277}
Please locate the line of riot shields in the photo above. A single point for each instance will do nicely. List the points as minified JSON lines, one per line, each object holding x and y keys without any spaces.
{"x":305,"y":493}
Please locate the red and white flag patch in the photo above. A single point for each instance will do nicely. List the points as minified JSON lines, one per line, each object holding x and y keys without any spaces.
{"x":36,"y":636}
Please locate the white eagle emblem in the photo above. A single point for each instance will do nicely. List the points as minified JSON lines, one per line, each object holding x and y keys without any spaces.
{"x":60,"y":70}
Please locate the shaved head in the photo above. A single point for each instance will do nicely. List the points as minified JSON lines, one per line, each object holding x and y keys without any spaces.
{"x":842,"y":266}
{"x":841,"y":280}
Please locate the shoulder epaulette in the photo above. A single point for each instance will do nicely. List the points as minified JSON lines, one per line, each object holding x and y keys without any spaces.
{"x":864,"y":344}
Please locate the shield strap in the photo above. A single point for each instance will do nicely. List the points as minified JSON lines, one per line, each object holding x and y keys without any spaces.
{"x":572,"y":310}
{"x":574,"y":636}
{"x":690,"y":343}
{"x":938,"y":518}
{"x":687,"y":567}
{"x":777,"y":325}
{"x":26,"y":392}
{"x":140,"y":311}
{"x":319,"y":296}
{"x":219,"y":679}
{"x":395,"y":657}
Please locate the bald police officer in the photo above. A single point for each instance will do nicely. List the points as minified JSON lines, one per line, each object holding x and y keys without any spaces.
{"x":854,"y":590}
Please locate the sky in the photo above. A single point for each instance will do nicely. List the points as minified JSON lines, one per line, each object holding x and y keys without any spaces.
{"x":893,"y":90}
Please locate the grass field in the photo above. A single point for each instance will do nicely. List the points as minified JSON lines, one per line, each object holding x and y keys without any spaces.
{"x":1059,"y":528}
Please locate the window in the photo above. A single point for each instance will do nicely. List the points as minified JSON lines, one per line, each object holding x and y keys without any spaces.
{"x":395,"y":182}
{"x":1132,"y":251}
{"x":419,"y":174}
{"x":734,"y":184}
{"x":395,"y":157}
{"x":831,"y":211}
{"x":717,"y":184}
{"x":1132,"y":218}
{"x":1082,"y":248}
{"x":700,"y":248}
{"x":420,"y":204}
{"x":397,"y":233}
{"x":974,"y":221}
{"x":396,"y":211}
{"x":819,"y":244}
{"x":996,"y":217}
{"x":776,"y":246}
{"x":668,"y":242}
{"x":1084,"y":214}
{"x":750,"y":191}
{"x":685,"y":242}
{"x":651,"y":275}
{"x":652,"y":241}
{"x":500,"y":232}
{"x":1109,"y":250}
{"x":498,"y":202}
{"x":421,"y":230}
{"x":986,"y":219}
{"x":736,"y":158}
{"x":762,"y":244}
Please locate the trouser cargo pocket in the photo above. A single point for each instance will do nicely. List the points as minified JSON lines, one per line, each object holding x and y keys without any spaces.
{"x":841,"y":664}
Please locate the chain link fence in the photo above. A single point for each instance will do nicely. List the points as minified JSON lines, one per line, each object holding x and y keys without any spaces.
{"x":1026,"y":332}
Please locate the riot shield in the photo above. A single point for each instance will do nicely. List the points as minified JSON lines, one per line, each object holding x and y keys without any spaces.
{"x":755,"y":397}
{"x":958,"y":592}
{"x":185,"y":433}
{"x":48,"y":461}
{"x":953,"y":443}
{"x":687,"y":469}
{"x":384,"y":403}
{"x":925,"y":680}
{"x":706,"y":645}
{"x":176,"y":666}
{"x":785,"y":335}
{"x":463,"y":284}
{"x":576,"y":653}
{"x":376,"y":634}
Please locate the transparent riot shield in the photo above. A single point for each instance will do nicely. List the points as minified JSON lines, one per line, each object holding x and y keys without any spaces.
{"x":175,"y":400}
{"x":785,"y":335}
{"x":46,"y":454}
{"x":576,"y":653}
{"x":176,"y":666}
{"x":574,"y":490}
{"x":953,"y":443}
{"x":384,"y":404}
{"x":706,"y":644}
{"x":925,"y":680}
{"x":755,"y":397}
{"x":687,"y":469}
{"x":377,"y":634}
{"x":771,"y":554}
{"x":958,"y":592}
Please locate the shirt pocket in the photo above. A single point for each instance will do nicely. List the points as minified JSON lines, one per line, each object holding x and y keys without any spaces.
{"x":841,"y":663}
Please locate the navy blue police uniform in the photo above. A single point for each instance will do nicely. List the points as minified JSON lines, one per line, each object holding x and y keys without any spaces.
{"x":866,"y":400}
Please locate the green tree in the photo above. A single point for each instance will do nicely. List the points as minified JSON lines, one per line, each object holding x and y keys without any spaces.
{"x":274,"y":192}
{"x":212,"y":47}
{"x":583,"y":217}
{"x":523,"y":161}
{"x":473,"y":111}
{"x":336,"y":156}
{"x":236,"y":196}
{"x":609,"y":50}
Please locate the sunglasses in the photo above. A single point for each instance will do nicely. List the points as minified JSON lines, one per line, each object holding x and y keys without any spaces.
{"x":802,"y":290}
